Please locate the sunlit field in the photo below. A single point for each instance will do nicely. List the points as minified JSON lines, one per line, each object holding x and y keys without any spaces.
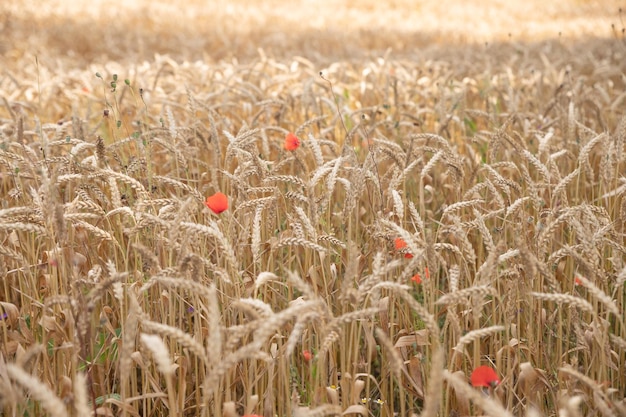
{"x":313,"y":208}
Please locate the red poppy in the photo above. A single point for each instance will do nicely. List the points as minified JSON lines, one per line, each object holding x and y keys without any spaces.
{"x":417,"y":279}
{"x":400,"y":244}
{"x":218,"y":203}
{"x":307,"y":355}
{"x":291,"y":142}
{"x":577,"y":281}
{"x":426,"y":273}
{"x":484,"y":376}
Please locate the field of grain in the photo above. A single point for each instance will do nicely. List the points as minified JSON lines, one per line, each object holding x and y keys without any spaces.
{"x":312,"y":208}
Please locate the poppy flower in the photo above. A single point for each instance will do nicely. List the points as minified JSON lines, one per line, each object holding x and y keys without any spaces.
{"x":417,"y":279}
{"x":217,"y":203}
{"x":307,"y":355}
{"x":400,"y":244}
{"x":577,"y":281}
{"x":291,"y":142}
{"x":484,"y":376}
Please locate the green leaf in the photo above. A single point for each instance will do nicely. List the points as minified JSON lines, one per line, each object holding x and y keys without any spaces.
{"x":100,"y":400}
{"x":470,"y":124}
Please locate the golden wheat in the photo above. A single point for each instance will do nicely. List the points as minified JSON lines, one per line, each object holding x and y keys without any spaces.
{"x":499,"y":165}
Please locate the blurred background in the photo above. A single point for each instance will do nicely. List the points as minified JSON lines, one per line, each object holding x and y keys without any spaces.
{"x":320,"y":30}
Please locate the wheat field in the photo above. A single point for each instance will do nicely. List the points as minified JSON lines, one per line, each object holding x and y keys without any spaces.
{"x":312,"y":208}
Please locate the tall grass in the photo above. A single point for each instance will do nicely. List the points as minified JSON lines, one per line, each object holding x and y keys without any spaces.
{"x":123,"y":294}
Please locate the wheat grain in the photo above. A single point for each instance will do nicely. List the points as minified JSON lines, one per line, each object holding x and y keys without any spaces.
{"x":461,"y":205}
{"x":193,"y":287}
{"x":600,"y":400}
{"x":600,"y":296}
{"x":476,"y":334}
{"x":430,"y":165}
{"x":540,"y":167}
{"x":81,"y":404}
{"x":577,"y":302}
{"x":177,"y":335}
{"x":257,"y":202}
{"x":38,"y":390}
{"x":295,"y":241}
{"x":497,"y":198}
{"x":292,"y":179}
{"x":316,"y":150}
{"x":559,"y":190}
{"x":465,"y":294}
{"x":397,"y":365}
{"x":213,"y":230}
{"x":516,"y":205}
{"x":298,"y":330}
{"x":94,"y":230}
{"x":132,"y":182}
{"x":178,"y":184}
{"x":23,"y":227}
{"x":484,"y":232}
{"x":262,"y":190}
